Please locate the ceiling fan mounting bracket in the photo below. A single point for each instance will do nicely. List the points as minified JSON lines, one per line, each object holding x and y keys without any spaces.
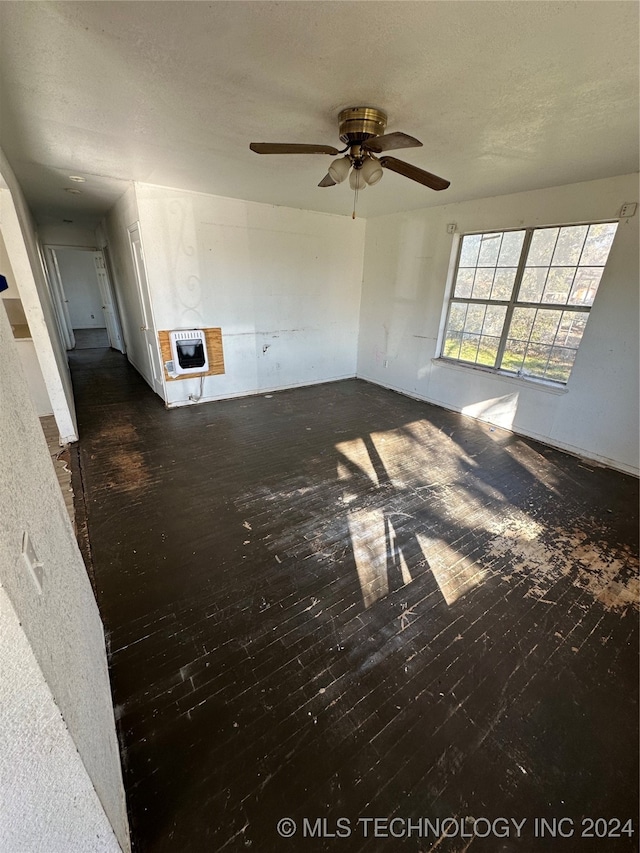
{"x":360,"y":123}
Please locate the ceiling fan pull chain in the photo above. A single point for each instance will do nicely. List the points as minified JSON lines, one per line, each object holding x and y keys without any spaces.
{"x":355,"y":199}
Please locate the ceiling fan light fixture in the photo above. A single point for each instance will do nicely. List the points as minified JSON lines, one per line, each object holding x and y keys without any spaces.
{"x":339,"y":169}
{"x":371,"y":171}
{"x":356,"y":180}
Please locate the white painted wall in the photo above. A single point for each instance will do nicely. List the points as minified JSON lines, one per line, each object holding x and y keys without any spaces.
{"x":47,"y":801}
{"x":284,"y":286}
{"x":62,"y":626}
{"x":7,"y":271}
{"x":25,"y":347}
{"x":407,"y":259}
{"x":80,"y":283}
{"x":22,"y":247}
{"x":113,"y":233}
{"x":67,"y":234}
{"x":33,"y":375}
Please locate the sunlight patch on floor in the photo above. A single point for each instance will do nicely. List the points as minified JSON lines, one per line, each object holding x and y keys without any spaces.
{"x":380,"y":469}
{"x":367,"y":531}
{"x":455,"y":574}
{"x":379,"y":562}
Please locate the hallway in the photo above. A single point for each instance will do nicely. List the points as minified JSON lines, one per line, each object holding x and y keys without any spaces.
{"x":338,"y":602}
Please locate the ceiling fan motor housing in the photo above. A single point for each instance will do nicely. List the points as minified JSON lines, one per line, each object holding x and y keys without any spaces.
{"x":360,"y":123}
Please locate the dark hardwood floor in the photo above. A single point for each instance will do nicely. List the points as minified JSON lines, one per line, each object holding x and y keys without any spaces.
{"x":339,"y":603}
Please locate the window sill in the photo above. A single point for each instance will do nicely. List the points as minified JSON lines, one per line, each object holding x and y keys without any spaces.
{"x":503,"y":376}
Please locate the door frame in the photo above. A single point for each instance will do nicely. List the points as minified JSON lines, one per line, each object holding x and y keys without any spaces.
{"x":148,"y":329}
{"x":111,"y":276}
{"x":61,"y":302}
{"x":113,"y":324}
{"x":58,"y":296}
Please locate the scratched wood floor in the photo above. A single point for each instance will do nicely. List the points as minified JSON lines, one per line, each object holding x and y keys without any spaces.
{"x":338,"y":602}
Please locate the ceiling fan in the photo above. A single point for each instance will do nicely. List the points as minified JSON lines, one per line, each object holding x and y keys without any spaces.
{"x":363,"y":130}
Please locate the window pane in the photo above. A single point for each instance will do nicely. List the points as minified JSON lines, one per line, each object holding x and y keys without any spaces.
{"x":469,"y":348}
{"x":503,"y":283}
{"x":511,"y":248}
{"x":464,"y":283}
{"x":536,"y":359}
{"x":482,"y":283}
{"x":558,"y":285}
{"x":489,"y":249}
{"x":598,"y":243}
{"x":560,"y":364}
{"x":533,"y":282}
{"x":470,"y":249}
{"x":457,"y":316}
{"x":475,"y":318}
{"x":586,"y":285}
{"x":513,"y":355}
{"x":545,"y":326}
{"x":571,"y":329}
{"x":569,"y":246}
{"x":494,"y":320}
{"x":452,"y":344}
{"x":522,"y":323}
{"x":488,"y":350}
{"x":542,"y":245}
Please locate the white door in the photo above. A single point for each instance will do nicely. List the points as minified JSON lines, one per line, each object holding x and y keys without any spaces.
{"x":147,"y":329}
{"x":111,"y":319}
{"x":60,"y":301}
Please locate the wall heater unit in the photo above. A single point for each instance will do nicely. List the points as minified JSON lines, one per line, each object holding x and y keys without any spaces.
{"x":189,"y":352}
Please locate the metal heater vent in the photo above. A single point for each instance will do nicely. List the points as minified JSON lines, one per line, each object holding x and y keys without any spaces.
{"x":189,"y":351}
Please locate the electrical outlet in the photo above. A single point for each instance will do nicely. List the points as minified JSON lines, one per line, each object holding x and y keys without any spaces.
{"x":31,"y":561}
{"x":628,"y":210}
{"x":451,"y":228}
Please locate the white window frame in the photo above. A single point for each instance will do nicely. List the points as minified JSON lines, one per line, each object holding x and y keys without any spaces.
{"x":510,"y":304}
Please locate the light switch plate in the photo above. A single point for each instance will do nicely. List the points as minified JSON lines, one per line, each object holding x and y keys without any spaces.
{"x":628,"y":210}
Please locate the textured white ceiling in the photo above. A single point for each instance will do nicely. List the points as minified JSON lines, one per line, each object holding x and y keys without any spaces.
{"x":505,"y":96}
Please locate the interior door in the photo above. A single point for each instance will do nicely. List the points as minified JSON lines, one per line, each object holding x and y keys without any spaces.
{"x":147,"y":329}
{"x":111,"y":319}
{"x":60,"y":302}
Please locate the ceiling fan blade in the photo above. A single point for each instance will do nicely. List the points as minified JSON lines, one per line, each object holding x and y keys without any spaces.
{"x":414,"y":173}
{"x":327,"y":181}
{"x":287,"y":148}
{"x":390,"y":141}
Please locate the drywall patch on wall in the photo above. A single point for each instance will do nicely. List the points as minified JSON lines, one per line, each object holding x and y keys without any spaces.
{"x":48,"y":801}
{"x":407,"y":258}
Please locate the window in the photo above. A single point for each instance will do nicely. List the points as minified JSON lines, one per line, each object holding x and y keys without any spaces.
{"x":521,"y":299}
